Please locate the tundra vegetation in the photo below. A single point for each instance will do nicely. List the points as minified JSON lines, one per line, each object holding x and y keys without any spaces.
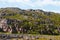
{"x":20,"y":21}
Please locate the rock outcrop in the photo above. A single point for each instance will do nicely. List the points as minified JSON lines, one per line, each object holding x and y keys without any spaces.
{"x":15,"y":20}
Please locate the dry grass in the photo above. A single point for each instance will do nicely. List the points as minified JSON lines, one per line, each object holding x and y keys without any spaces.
{"x":44,"y":37}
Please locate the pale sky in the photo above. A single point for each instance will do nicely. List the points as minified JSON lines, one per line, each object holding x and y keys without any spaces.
{"x":48,"y":5}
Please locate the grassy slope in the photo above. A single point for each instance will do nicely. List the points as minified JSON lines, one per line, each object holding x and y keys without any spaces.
{"x":33,"y":17}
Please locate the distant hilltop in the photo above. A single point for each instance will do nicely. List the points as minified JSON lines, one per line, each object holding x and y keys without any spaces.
{"x":30,"y":21}
{"x":15,"y":8}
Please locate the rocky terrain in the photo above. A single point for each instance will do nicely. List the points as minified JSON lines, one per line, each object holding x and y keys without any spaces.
{"x":27,"y":37}
{"x":15,"y":20}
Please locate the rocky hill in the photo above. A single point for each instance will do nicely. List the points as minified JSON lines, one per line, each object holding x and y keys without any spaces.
{"x":15,"y":20}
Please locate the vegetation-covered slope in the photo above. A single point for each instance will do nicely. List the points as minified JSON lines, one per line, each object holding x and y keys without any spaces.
{"x":31,"y":21}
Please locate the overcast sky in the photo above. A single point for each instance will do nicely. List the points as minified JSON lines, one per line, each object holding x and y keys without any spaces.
{"x":48,"y":5}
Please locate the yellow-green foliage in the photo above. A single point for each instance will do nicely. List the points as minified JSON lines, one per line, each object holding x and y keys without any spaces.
{"x":40,"y":22}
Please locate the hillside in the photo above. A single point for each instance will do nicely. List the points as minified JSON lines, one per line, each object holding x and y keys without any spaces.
{"x":15,"y":20}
